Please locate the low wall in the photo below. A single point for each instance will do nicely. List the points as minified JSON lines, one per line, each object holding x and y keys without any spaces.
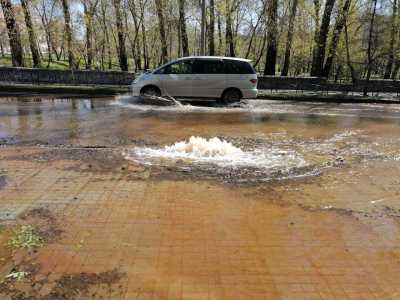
{"x":46,"y":76}
{"x":89,"y":77}
{"x":289,"y":83}
{"x":321,"y":84}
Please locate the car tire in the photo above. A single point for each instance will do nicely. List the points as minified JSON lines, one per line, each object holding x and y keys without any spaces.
{"x":150,"y":91}
{"x":231,"y":96}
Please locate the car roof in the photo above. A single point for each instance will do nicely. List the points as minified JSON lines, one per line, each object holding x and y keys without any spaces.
{"x":214,"y":58}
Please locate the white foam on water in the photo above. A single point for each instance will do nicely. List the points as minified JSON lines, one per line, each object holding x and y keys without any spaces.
{"x":219,"y":152}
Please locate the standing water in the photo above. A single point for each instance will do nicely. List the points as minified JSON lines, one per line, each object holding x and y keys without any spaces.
{"x":267,"y":199}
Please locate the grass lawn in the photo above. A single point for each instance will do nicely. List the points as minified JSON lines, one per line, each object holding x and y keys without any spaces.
{"x":59,"y":65}
{"x":5,"y":61}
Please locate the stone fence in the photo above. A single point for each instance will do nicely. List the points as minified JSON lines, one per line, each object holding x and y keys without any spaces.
{"x":47,"y":76}
{"x":322,"y":84}
{"x":67,"y":77}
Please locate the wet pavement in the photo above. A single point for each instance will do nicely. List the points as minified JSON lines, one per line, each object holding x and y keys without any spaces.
{"x":108,"y":199}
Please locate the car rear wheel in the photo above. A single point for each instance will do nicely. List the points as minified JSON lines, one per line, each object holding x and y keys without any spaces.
{"x":150,"y":91}
{"x":231,"y":96}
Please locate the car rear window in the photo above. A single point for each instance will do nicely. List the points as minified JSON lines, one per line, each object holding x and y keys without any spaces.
{"x":212,"y":66}
{"x":238,"y":67}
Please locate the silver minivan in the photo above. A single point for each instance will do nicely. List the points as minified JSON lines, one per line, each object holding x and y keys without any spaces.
{"x":200,"y":77}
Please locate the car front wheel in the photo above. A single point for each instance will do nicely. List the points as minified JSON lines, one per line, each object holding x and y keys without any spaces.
{"x":150,"y":91}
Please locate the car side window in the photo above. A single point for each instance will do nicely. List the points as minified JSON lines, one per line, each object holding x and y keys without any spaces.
{"x":203,"y":66}
{"x":231,"y":67}
{"x":181,"y":67}
{"x":238,"y":67}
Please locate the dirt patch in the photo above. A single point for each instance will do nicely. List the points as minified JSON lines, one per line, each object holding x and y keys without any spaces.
{"x":21,"y":276}
{"x":339,"y":211}
{"x":86,"y":158}
{"x":44,"y":222}
{"x":5,"y":251}
{"x":3,"y":182}
{"x":72,"y":285}
{"x":8,"y":141}
{"x":393,"y":212}
{"x":362,"y":216}
{"x":68,"y":286}
{"x":244,"y":176}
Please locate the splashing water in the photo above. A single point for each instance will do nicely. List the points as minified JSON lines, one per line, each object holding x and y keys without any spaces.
{"x":198,"y":147}
{"x":146,"y":101}
{"x":219,"y":152}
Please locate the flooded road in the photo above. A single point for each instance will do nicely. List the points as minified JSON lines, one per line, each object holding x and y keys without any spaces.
{"x":266,"y":200}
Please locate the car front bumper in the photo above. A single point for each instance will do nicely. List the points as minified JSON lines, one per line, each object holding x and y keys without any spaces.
{"x":135,"y":90}
{"x":250,"y":93}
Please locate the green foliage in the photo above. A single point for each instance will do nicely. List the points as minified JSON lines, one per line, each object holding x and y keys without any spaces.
{"x":25,"y":238}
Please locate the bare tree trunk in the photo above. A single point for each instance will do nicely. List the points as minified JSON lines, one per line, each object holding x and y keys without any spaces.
{"x":323,"y":36}
{"x":48,"y":38}
{"x":261,"y":52}
{"x":219,"y":34}
{"x":341,"y":21}
{"x":68,"y":33}
{"x":169,"y":31}
{"x":161,"y":27}
{"x":1,"y":48}
{"x":88,"y":23}
{"x":289,"y":40}
{"x":230,"y":47}
{"x":270,"y":62}
{"x":14,"y":36}
{"x":396,"y":69}
{"x":211,"y":31}
{"x":135,"y":43}
{"x":348,"y":60}
{"x":369,"y":49}
{"x":144,"y":39}
{"x":317,"y":9}
{"x":123,"y":58}
{"x":182,"y":26}
{"x":179,"y":39}
{"x":393,"y":34}
{"x":144,"y":42}
{"x":109,"y":54}
{"x":203,"y":28}
{"x":31,"y":32}
{"x":253,"y":33}
{"x":106,"y":34}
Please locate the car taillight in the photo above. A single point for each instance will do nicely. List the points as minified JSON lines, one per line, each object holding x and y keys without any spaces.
{"x":253,"y":81}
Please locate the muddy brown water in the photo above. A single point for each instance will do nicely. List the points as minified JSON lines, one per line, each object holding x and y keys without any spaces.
{"x":315,"y":217}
